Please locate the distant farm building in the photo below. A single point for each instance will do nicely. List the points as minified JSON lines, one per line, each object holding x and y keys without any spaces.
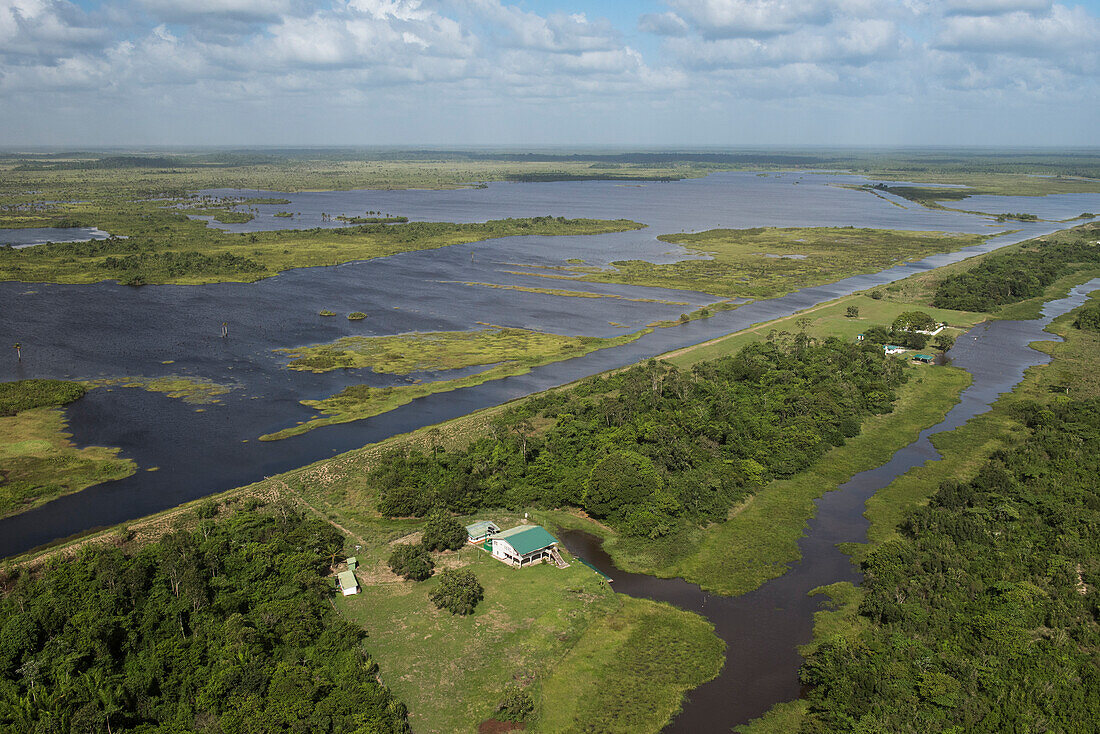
{"x":481,"y":530}
{"x":523,"y":545}
{"x":347,"y":583}
{"x":353,"y":563}
{"x":926,"y":358}
{"x":892,"y":349}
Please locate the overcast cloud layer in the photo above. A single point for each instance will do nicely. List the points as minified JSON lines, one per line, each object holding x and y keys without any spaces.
{"x":477,"y":72}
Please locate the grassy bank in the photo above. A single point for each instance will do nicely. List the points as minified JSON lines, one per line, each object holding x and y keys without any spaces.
{"x":766,"y":261}
{"x":38,"y":463}
{"x":510,"y":351}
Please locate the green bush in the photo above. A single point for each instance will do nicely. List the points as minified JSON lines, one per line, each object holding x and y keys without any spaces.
{"x":411,"y":561}
{"x":1088,"y":318}
{"x":516,"y":705}
{"x":442,"y":532}
{"x":27,"y":394}
{"x":356,"y":316}
{"x":458,"y":592}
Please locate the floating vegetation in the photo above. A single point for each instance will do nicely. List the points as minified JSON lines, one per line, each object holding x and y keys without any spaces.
{"x":194,"y":390}
{"x":356,"y":316}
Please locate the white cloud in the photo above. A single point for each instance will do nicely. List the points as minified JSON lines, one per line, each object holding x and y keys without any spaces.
{"x":994,"y":7}
{"x":663,"y":24}
{"x":1060,"y":33}
{"x":762,"y":18}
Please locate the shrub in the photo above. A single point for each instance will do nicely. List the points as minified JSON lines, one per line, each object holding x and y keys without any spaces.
{"x":326,"y":312}
{"x":1088,"y":318}
{"x":516,"y":705}
{"x":443,"y":532}
{"x":458,"y":592}
{"x":852,"y":312}
{"x":26,"y":394}
{"x":411,"y":562}
{"x":356,"y":316}
{"x":877,"y":295}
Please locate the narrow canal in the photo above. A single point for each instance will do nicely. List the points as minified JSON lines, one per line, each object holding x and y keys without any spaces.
{"x":764,"y":628}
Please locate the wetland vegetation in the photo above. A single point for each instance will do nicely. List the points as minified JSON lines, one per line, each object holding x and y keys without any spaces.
{"x":506,"y":352}
{"x":37,"y":461}
{"x":169,"y":248}
{"x":743,"y":262}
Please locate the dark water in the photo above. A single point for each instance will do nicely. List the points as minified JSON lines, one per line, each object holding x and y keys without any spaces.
{"x":763,"y":629}
{"x":107,"y":330}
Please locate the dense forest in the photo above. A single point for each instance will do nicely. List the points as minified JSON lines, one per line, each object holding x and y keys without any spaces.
{"x":652,"y":446}
{"x":225,"y":629}
{"x":1015,"y":276}
{"x":985,"y":616}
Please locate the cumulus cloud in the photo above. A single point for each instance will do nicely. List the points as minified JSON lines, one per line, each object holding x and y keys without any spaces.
{"x":1061,"y":31}
{"x":663,"y":24}
{"x":501,"y":53}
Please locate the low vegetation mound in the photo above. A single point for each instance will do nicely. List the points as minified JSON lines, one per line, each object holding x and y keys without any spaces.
{"x":226,"y":628}
{"x":21,"y":395}
{"x":654,"y":447}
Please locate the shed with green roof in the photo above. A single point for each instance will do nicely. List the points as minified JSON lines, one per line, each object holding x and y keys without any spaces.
{"x":348,"y":583}
{"x":524,"y":545}
{"x":480,"y":530}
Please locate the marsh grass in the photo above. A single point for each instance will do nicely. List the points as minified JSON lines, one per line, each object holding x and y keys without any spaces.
{"x":507,"y":352}
{"x":38,"y":463}
{"x":757,"y":263}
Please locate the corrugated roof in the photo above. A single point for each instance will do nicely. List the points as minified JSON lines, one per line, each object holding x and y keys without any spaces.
{"x":479,"y":528}
{"x":527,"y":538}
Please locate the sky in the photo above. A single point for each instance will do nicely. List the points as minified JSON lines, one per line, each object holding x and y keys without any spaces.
{"x":623,"y":73}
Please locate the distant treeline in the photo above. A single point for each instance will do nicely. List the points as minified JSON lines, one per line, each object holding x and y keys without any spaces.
{"x":654,"y":446}
{"x":227,"y":628}
{"x":984,"y":616}
{"x":1016,"y":276}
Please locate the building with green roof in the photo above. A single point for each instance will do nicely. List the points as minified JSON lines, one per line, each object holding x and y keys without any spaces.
{"x":480,"y":530}
{"x":523,"y":545}
{"x":348,"y":583}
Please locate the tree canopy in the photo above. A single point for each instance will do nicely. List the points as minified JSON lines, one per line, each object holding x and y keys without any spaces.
{"x":224,"y":629}
{"x":653,"y":446}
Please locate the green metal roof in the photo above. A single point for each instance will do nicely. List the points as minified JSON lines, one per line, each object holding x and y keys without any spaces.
{"x":922,"y":356}
{"x":347,"y":580}
{"x":480,"y":528}
{"x":352,"y":563}
{"x":527,"y":538}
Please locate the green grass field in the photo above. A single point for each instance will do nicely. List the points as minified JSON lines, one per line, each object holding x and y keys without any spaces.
{"x":588,"y":656}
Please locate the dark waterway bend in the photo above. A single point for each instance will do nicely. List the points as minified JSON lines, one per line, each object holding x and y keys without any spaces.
{"x":764,"y":628}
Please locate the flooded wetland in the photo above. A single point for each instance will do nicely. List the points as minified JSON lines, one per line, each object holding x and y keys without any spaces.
{"x":237,"y":362}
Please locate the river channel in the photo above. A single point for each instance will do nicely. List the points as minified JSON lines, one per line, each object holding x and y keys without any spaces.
{"x":763,"y":628}
{"x":111,"y":331}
